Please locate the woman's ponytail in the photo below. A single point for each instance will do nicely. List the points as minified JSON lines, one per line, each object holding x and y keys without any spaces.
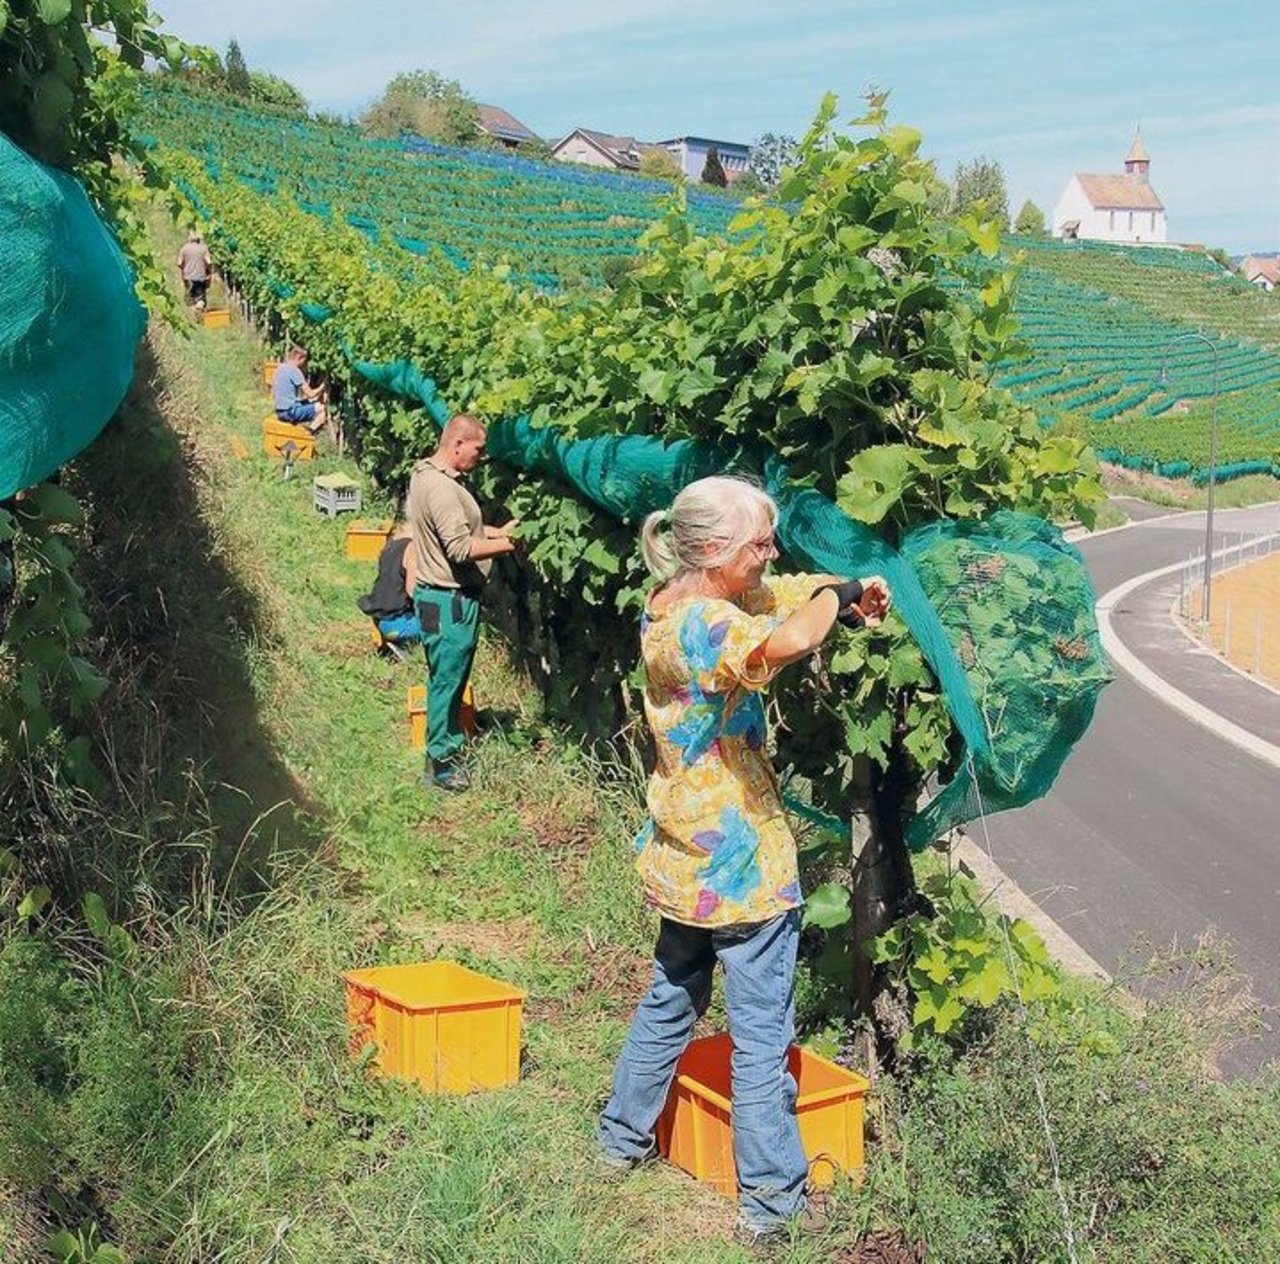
{"x":657,"y":547}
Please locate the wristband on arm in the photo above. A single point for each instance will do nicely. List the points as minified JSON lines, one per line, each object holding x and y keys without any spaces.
{"x":848,"y":594}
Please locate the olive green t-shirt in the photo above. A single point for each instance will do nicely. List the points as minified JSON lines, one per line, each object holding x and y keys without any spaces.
{"x":444,"y":518}
{"x":194,"y":256}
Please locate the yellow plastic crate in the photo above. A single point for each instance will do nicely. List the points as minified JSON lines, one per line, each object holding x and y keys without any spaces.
{"x":216,"y":318}
{"x":695,"y":1130}
{"x":276,"y":433}
{"x":437,"y":1024}
{"x":366,"y":540}
{"x":269,"y":368}
{"x":416,"y":705}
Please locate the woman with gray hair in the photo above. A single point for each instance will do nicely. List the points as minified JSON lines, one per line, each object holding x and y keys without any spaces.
{"x":717,"y":857}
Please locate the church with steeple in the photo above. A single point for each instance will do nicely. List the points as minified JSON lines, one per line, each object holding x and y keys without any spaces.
{"x":1113,"y":207}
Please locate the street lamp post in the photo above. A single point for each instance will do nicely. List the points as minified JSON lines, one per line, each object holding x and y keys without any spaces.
{"x":1213,"y":454}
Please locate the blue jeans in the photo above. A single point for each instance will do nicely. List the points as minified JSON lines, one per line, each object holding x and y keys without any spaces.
{"x":759,"y":975}
{"x":401,"y":627}
{"x":298,"y":414}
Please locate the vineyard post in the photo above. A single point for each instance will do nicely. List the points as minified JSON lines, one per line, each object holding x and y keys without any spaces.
{"x":1213,"y":454}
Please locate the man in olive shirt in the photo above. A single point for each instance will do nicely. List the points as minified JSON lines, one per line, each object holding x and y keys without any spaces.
{"x":453,"y":552}
{"x":195,"y":265}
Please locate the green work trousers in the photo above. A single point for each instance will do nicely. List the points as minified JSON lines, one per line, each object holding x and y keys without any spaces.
{"x":450,"y":620}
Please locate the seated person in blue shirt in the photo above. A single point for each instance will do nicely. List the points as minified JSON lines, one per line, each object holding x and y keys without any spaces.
{"x":294,"y":399}
{"x":390,"y":604}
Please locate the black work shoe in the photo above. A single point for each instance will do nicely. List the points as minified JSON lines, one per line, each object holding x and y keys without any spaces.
{"x":446,"y":777}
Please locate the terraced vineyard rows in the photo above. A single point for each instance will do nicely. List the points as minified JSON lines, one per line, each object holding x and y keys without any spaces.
{"x":554,"y":222}
{"x":1102,"y":322}
{"x":1141,"y":391}
{"x":1179,"y":285}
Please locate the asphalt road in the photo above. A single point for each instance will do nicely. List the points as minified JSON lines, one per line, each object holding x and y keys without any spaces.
{"x":1157,"y":830}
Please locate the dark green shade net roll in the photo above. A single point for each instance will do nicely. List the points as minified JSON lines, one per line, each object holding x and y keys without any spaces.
{"x":69,"y":320}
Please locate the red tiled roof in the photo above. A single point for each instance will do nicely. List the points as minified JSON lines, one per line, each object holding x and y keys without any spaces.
{"x":1255,"y":267}
{"x":1137,"y":151}
{"x":498,"y":122}
{"x":1120,"y":193}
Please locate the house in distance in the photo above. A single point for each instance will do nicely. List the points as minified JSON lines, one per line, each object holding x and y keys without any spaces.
{"x":1113,"y":207}
{"x":623,"y":153}
{"x":503,"y":127}
{"x":601,"y":149}
{"x":690,"y":152}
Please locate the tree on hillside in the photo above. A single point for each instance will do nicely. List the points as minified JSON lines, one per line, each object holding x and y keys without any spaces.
{"x":658,"y":164}
{"x":427,"y":104}
{"x":979,"y":185}
{"x":713,"y":170}
{"x":237,"y":70}
{"x":769,"y":156}
{"x":268,"y":89}
{"x":1030,"y":221}
{"x":938,"y":193}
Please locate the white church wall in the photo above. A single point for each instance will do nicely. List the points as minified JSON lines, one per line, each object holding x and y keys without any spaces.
{"x":1106,"y":224}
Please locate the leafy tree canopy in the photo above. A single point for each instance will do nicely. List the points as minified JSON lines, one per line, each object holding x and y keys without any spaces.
{"x":769,"y":156}
{"x":1030,"y":221}
{"x":268,"y":89}
{"x":427,"y":104}
{"x":980,"y":187}
{"x":657,"y":164}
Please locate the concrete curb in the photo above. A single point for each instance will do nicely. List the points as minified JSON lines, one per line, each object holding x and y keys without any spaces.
{"x":1192,"y":710}
{"x":1013,"y":901}
{"x":1077,"y":534}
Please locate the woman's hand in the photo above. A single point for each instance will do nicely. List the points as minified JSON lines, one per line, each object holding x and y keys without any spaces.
{"x":875,"y":602}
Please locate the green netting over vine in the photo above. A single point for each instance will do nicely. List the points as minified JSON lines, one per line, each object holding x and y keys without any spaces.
{"x":1002,"y":608}
{"x":69,"y":320}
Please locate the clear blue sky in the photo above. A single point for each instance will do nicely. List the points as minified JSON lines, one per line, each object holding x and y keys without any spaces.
{"x":1047,"y":89}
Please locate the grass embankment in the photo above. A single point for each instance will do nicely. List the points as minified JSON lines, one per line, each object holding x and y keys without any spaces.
{"x":201,"y":1088}
{"x":266,"y":829}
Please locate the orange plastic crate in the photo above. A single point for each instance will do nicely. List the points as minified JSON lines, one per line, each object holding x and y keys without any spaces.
{"x":695,"y":1130}
{"x":437,"y":1024}
{"x":416,"y":704}
{"x":276,"y":433}
{"x":366,"y":540}
{"x":216,"y":318}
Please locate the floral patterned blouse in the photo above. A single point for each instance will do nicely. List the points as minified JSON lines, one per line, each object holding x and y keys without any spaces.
{"x":717,"y":849}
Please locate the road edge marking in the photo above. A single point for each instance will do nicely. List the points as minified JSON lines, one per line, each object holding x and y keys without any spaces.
{"x":1014,"y":902}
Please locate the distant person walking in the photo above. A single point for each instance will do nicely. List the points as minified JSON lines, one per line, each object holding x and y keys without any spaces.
{"x":196,"y":265}
{"x":295,"y":400}
{"x":453,"y":553}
